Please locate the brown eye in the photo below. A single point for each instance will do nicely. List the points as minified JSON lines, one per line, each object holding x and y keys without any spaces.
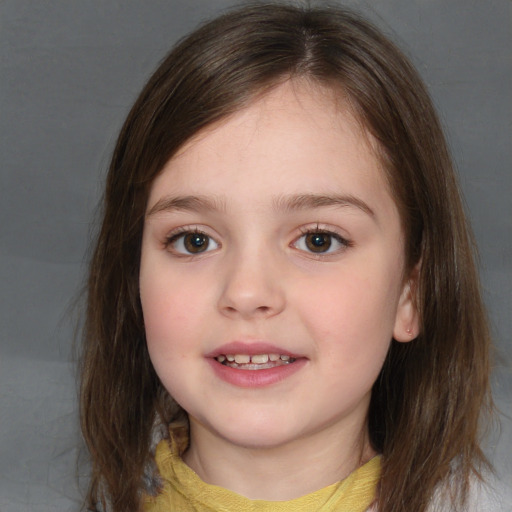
{"x":195,"y":242}
{"x":191,"y":242}
{"x":321,"y":242}
{"x":318,"y":242}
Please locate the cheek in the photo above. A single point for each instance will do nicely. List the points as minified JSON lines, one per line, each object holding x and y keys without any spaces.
{"x":167,"y":319}
{"x":171,"y":302}
{"x":353,"y":312}
{"x":356,"y":302}
{"x":159,"y":308}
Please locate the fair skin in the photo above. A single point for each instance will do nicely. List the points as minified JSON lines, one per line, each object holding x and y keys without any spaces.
{"x":273,"y":234}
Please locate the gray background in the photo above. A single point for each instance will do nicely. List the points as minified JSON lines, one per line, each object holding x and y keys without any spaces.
{"x":69,"y":72}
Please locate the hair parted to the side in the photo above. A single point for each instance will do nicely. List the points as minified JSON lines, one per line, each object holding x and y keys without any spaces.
{"x":427,"y":404}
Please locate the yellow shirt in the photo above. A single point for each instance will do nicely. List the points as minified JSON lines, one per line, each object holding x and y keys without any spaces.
{"x":184,"y":491}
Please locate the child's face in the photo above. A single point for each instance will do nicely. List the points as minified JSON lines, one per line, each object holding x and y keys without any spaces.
{"x":274,"y":234}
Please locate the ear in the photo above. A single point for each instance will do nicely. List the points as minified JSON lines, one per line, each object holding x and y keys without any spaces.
{"x":407,"y":321}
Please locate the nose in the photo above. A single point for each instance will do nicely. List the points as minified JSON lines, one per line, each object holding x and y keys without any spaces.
{"x":253,"y":287}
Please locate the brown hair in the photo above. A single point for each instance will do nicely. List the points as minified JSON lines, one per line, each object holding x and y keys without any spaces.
{"x":426,"y":404}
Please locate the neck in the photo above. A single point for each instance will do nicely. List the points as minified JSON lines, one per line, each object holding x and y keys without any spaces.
{"x":277,"y":473}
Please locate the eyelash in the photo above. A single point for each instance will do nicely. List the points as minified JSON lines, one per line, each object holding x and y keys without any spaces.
{"x":317,"y":230}
{"x":182,"y":232}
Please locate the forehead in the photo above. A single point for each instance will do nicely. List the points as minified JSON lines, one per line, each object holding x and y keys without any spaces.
{"x":292,"y":100}
{"x":293,"y":138}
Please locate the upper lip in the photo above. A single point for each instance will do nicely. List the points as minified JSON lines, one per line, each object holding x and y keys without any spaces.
{"x":250,"y":348}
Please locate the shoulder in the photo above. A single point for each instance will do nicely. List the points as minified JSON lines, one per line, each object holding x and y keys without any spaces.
{"x":490,"y":495}
{"x":493,"y":495}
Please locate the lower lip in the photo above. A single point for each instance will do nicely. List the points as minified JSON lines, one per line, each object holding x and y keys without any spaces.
{"x":255,"y":378}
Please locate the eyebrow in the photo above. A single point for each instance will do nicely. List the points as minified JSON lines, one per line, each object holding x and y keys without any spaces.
{"x":187,"y":203}
{"x":311,"y":201}
{"x":288,"y":203}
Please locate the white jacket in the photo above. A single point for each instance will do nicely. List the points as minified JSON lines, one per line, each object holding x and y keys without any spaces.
{"x":492,"y":496}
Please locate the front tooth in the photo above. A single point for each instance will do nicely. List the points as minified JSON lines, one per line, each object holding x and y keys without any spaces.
{"x":242,"y":359}
{"x":273,"y":357}
{"x":285,"y":358}
{"x":259,"y":359}
{"x":230,"y":358}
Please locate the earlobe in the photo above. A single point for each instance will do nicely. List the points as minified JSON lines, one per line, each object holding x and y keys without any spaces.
{"x":407,"y":322}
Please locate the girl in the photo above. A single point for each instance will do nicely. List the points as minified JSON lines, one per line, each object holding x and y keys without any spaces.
{"x":283,"y":308}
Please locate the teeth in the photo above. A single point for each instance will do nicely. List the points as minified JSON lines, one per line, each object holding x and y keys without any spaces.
{"x":255,"y":359}
{"x":259,"y":359}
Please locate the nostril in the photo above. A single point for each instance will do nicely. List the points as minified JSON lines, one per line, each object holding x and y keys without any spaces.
{"x":258,"y":311}
{"x":252,"y":297}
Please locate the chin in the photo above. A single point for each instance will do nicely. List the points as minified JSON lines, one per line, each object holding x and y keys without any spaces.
{"x":257,"y":434}
{"x":259,"y":442}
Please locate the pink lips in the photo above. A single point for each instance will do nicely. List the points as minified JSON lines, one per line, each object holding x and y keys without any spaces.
{"x":253,"y":378}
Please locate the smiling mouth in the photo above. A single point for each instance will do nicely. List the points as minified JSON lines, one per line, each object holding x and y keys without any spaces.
{"x":254,"y":362}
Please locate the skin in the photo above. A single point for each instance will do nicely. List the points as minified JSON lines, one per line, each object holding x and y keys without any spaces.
{"x":258,"y":280}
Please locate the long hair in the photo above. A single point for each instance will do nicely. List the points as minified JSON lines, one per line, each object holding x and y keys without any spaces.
{"x":426,"y":404}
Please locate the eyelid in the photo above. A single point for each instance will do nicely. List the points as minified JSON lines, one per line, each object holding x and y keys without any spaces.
{"x":344,"y":242}
{"x":180,"y":232}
